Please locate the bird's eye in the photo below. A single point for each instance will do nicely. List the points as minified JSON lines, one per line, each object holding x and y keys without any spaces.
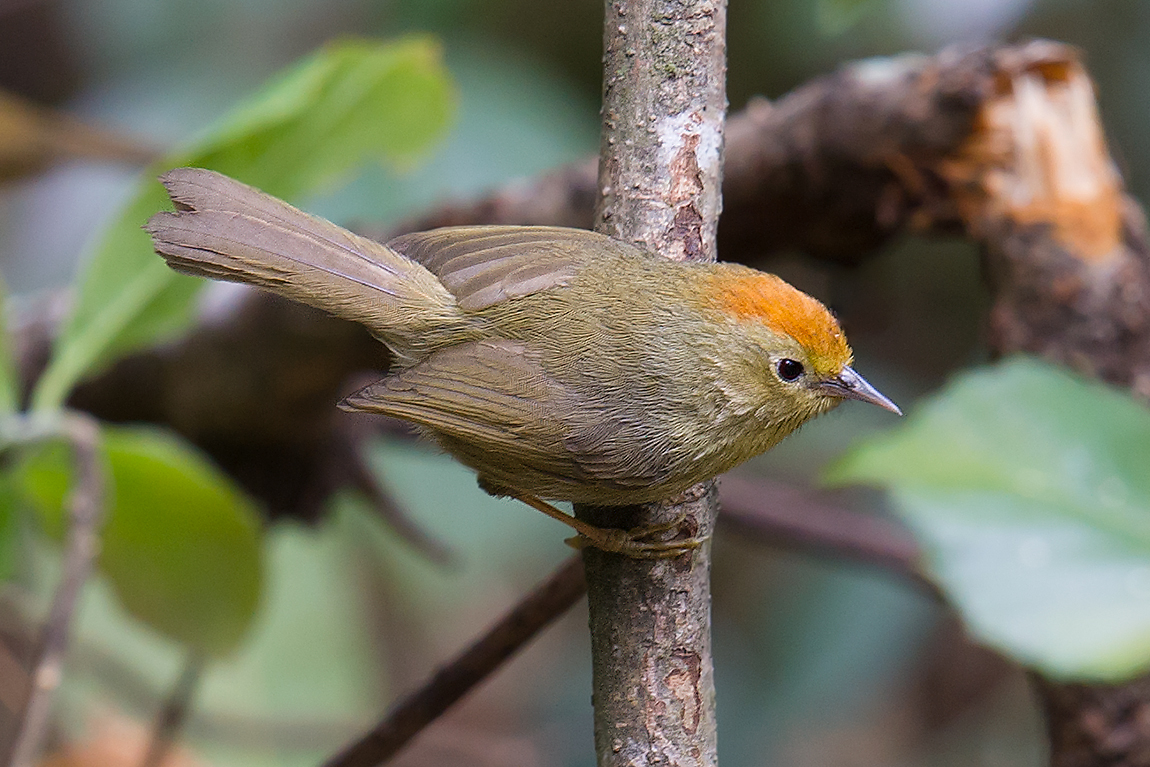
{"x":789,"y":370}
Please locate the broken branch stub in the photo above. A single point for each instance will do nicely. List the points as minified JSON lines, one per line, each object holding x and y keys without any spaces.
{"x":1065,"y":247}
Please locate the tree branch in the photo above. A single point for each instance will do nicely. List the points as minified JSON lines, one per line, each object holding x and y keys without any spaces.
{"x":174,"y":712}
{"x":1068,"y":261}
{"x":550,"y":600}
{"x":805,"y":520}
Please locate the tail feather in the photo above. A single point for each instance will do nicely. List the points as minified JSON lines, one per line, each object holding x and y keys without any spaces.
{"x":226,"y":230}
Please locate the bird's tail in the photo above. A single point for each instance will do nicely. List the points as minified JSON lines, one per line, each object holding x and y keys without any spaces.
{"x":230,"y":231}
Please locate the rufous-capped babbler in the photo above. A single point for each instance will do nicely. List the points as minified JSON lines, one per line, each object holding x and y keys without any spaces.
{"x":558,"y":363}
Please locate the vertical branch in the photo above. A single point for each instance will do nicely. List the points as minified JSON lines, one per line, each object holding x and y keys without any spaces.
{"x":85,"y":509}
{"x":664,"y":100}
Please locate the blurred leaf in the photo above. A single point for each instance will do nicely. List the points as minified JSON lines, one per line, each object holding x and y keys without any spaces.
{"x":9,"y":380}
{"x":1029,"y":491}
{"x":43,"y":476}
{"x":311,"y":656}
{"x":516,"y":119}
{"x":837,"y":16}
{"x":9,"y":526}
{"x":181,"y":546}
{"x":311,"y":674}
{"x":351,"y":101}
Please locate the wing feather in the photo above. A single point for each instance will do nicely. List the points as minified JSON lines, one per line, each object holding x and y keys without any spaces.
{"x":482,"y":266}
{"x":491,"y":405}
{"x":489,"y":394}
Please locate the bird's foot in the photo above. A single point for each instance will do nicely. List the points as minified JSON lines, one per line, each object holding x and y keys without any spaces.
{"x":631,"y":543}
{"x":634,"y":542}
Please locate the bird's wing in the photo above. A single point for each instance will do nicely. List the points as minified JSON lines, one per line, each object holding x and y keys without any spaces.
{"x":482,"y":266}
{"x":491,"y":405}
{"x":482,"y":398}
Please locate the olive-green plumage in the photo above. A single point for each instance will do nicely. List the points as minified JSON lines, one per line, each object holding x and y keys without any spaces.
{"x":557,"y":363}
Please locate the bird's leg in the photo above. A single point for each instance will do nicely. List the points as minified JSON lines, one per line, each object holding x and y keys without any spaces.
{"x":627,"y":542}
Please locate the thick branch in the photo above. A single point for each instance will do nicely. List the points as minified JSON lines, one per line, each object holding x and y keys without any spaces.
{"x":1096,"y":725}
{"x":833,"y":169}
{"x":1067,"y":256}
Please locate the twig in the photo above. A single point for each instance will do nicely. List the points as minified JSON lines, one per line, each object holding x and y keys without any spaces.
{"x":804,"y":520}
{"x":360,"y":476}
{"x":36,"y":137}
{"x":547,"y":602}
{"x":85,"y":508}
{"x":174,"y":712}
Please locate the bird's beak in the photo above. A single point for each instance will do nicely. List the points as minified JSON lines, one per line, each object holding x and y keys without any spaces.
{"x":850,"y":385}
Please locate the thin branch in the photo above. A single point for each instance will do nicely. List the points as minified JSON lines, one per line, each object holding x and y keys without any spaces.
{"x":353,"y":465}
{"x":539,"y":608}
{"x":174,"y":713}
{"x":805,"y":520}
{"x":36,"y":137}
{"x":85,"y":509}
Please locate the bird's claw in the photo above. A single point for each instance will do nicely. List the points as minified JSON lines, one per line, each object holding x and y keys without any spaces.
{"x":632,"y":543}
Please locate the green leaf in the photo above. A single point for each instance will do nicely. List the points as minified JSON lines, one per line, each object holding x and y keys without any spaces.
{"x":1029,"y":491}
{"x":181,"y":545}
{"x":10,"y":528}
{"x":9,"y":381}
{"x":350,"y":102}
{"x":314,"y":656}
{"x":834,"y":17}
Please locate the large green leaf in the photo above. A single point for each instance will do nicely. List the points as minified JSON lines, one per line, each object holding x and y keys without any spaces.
{"x":1029,"y":490}
{"x":311,"y":674}
{"x":181,"y":545}
{"x":351,"y":101}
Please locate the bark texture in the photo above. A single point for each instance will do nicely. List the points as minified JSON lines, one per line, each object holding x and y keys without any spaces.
{"x":664,"y":102}
{"x":1095,"y":725}
{"x":653,"y":683}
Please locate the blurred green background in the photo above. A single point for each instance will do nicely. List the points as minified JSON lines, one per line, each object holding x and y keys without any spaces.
{"x":817,"y":663}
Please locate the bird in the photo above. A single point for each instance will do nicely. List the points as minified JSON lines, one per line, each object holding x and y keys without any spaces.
{"x":559,"y":364}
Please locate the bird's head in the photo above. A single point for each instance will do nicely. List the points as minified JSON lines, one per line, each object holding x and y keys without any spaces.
{"x":795,"y":362}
